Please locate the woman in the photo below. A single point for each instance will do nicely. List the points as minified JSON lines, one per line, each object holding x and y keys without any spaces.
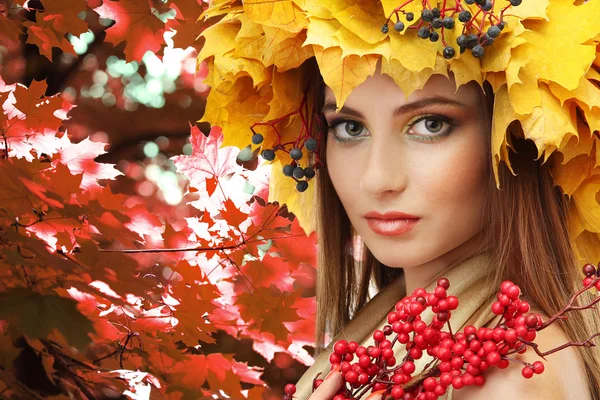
{"x":426,"y":157}
{"x":498,"y":184}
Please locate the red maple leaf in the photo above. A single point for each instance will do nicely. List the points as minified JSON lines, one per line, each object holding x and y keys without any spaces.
{"x":208,"y":159}
{"x":38,"y":108}
{"x":136,"y":24}
{"x":61,"y":15}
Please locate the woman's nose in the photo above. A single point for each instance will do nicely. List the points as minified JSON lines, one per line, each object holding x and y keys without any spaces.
{"x":385,"y":169}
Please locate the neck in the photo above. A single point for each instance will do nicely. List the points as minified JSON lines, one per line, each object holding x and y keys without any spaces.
{"x":420,"y":276}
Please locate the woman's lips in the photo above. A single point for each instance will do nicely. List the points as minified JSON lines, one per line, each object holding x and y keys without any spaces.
{"x":391,"y":227}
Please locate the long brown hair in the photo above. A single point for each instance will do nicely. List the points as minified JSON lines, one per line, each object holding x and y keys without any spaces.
{"x":527,"y":233}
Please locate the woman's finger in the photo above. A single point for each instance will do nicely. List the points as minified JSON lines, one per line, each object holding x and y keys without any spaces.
{"x":330,"y":386}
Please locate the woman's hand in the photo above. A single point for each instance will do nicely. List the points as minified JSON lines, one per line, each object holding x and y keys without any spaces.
{"x":330,"y":386}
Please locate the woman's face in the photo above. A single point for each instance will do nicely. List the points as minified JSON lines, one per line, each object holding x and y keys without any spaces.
{"x":425,"y":156}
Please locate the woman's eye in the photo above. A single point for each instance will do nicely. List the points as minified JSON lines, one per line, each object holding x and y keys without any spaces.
{"x":345,"y":130}
{"x":431,"y":126}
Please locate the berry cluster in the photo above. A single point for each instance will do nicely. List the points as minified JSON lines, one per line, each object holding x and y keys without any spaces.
{"x":304,"y":140}
{"x":473,"y":36}
{"x":457,"y":359}
{"x":293,"y":169}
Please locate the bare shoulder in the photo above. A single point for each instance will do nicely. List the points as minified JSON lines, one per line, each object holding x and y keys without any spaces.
{"x":564,"y":376}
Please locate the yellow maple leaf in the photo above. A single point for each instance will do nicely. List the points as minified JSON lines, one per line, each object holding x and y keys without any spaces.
{"x":282,"y":14}
{"x":313,"y":8}
{"x":570,"y":175}
{"x":548,"y":124}
{"x":220,"y":38}
{"x":554,"y":50}
{"x":228,"y":67}
{"x":586,"y":203}
{"x":364,"y":18}
{"x":321,"y":32}
{"x":283,"y":189}
{"x":247,"y":104}
{"x":497,"y":55}
{"x":408,"y":80}
{"x":413,"y":54}
{"x":342,"y":75}
{"x":466,"y":68}
{"x":503,"y":116}
{"x":288,"y":90}
{"x":352,"y":44}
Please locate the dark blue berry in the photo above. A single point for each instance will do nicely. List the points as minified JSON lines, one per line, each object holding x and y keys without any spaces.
{"x":469,"y":1}
{"x":515,"y":2}
{"x":423,"y":32}
{"x":436,"y":12}
{"x":268,"y":154}
{"x":501,"y":25}
{"x":462,"y":41}
{"x":257,"y":138}
{"x":399,"y":26}
{"x":448,"y":22}
{"x":385,"y":28}
{"x":449,"y":52}
{"x":288,"y":170}
{"x":309,"y":172}
{"x":301,"y":186}
{"x":298,"y":173}
{"x":487,"y":5}
{"x":480,"y":2}
{"x":296,"y":154}
{"x":434,"y":37}
{"x":473,"y":41}
{"x":478,"y":51}
{"x":426,"y":15}
{"x":410,"y":16}
{"x":487,"y":40}
{"x":464,"y":16}
{"x":436,"y":23}
{"x":311,"y":144}
{"x":493,"y":31}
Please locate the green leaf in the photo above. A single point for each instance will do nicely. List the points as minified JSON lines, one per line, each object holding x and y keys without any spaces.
{"x":36,"y":315}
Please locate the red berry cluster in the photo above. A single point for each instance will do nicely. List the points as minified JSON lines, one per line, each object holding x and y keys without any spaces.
{"x":458,"y":360}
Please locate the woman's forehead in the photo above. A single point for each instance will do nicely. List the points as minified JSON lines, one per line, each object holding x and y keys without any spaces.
{"x":382,"y":87}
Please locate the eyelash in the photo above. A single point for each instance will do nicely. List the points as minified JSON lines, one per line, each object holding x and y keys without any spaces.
{"x":429,"y":138}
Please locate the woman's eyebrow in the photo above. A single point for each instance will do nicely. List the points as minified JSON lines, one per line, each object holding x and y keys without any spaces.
{"x":405,"y":108}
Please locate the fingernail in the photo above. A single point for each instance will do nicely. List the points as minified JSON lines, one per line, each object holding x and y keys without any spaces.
{"x":335,"y":370}
{"x":375,"y":394}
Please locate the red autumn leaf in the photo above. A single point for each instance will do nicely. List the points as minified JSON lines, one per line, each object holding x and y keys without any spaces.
{"x":38,"y":108}
{"x":45,"y":38}
{"x":232,"y":214}
{"x":61,"y":15}
{"x":269,"y":271}
{"x":136,"y":24}
{"x":208,"y":159}
{"x":80,"y":160}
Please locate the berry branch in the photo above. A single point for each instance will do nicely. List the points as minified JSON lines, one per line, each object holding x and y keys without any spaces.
{"x":458,"y":359}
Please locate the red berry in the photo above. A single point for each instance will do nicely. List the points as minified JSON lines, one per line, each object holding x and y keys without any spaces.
{"x":503,"y":364}
{"x":527,"y":372}
{"x":597,"y":285}
{"x":429,"y":384}
{"x":364,"y":361}
{"x":497,"y":308}
{"x":351,"y":377}
{"x":467,"y":379}
{"x":510,"y":336}
{"x":415,"y":309}
{"x":524,"y":307}
{"x":531,"y":320}
{"x":538,"y":367}
{"x":290,"y":388}
{"x":505,"y":285}
{"x":457,"y":382}
{"x":452,"y":302}
{"x":387,"y":353}
{"x":363,"y":378}
{"x":335,"y":358}
{"x":408,"y":367}
{"x":479,"y":380}
{"x":589,"y":269}
{"x":588,"y":281}
{"x":352,"y":346}
{"x":443,"y":282}
{"x":440,"y":292}
{"x":374,"y":351}
{"x":513,"y":292}
{"x":397,"y":392}
{"x":493,"y":358}
{"x":378,"y":335}
{"x":340,"y":348}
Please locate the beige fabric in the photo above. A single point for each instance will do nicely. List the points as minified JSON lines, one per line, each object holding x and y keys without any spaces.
{"x":466,"y":282}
